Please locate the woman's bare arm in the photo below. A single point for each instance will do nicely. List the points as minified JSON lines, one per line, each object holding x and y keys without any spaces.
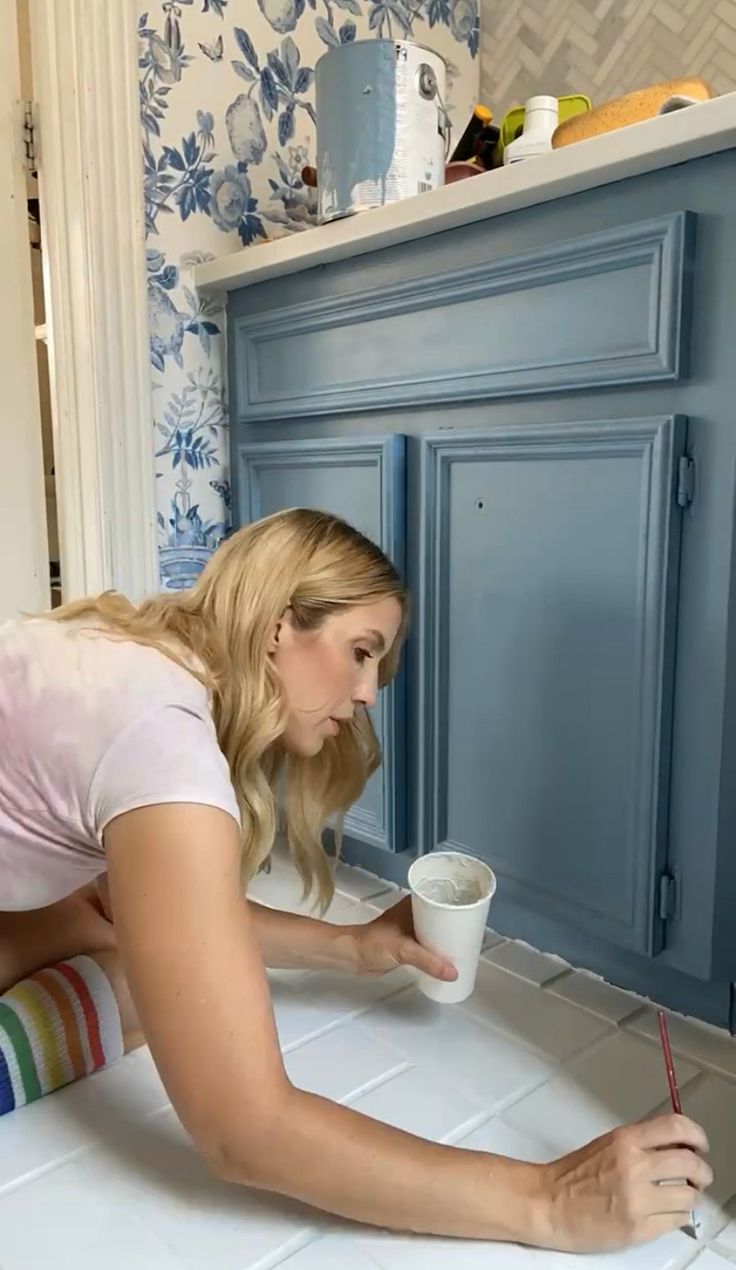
{"x":292,"y":941}
{"x":287,"y":941}
{"x":196,"y":975}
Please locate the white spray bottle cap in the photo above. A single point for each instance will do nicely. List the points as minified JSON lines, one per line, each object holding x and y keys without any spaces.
{"x":541,"y":117}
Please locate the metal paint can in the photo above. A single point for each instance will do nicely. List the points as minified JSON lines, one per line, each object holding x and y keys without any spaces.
{"x":380,"y":124}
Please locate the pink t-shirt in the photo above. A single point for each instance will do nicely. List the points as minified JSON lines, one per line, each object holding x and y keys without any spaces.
{"x":91,"y":727}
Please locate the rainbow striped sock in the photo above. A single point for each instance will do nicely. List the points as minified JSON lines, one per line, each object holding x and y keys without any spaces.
{"x":57,"y":1025}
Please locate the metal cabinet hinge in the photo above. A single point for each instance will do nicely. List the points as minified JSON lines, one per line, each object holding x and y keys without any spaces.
{"x":685,"y":481}
{"x":29,"y":138}
{"x":667,"y":897}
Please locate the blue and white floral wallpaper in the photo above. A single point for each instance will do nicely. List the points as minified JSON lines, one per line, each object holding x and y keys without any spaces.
{"x":228,"y":123}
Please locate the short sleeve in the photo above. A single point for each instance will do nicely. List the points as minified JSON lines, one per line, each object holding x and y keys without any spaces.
{"x":170,"y":755}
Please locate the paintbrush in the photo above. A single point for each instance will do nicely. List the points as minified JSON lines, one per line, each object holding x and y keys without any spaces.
{"x":693,"y":1227}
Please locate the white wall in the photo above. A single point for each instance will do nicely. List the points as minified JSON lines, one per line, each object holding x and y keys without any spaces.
{"x":603,"y":49}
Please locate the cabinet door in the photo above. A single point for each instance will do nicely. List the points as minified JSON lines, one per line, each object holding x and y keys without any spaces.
{"x":547,"y":624}
{"x":361,"y":480}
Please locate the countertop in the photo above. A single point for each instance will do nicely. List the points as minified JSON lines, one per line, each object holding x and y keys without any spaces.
{"x":539,"y":1060}
{"x":661,"y":142}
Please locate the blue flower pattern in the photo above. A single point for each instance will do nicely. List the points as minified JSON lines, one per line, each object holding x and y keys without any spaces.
{"x":228,"y":124}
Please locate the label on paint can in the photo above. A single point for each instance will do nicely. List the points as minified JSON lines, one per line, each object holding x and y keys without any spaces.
{"x":380,"y":125}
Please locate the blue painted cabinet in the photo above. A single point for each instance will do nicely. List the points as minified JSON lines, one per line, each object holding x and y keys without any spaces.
{"x":550,"y":561}
{"x":535,"y":414}
{"x":363,"y":481}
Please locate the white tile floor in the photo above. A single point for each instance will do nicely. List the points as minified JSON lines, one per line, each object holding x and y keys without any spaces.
{"x":538,"y":1061}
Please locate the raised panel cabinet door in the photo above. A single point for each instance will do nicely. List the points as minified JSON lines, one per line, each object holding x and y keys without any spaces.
{"x":547,"y":635}
{"x":362,"y":480}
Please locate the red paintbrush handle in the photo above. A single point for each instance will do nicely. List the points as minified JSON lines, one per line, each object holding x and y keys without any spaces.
{"x":669,"y":1064}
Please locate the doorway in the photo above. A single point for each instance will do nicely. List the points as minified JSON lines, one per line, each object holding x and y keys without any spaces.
{"x":95,"y":444}
{"x":41,"y":332}
{"x":24,"y":553}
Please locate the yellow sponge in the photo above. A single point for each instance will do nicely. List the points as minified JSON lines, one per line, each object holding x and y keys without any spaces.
{"x":632,"y":108}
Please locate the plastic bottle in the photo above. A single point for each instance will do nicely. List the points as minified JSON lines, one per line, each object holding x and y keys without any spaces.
{"x":541,"y":117}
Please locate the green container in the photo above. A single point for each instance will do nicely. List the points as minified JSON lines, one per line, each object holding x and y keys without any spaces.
{"x":512,"y":125}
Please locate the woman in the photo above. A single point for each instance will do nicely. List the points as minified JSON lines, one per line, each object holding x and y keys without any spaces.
{"x":145,"y":745}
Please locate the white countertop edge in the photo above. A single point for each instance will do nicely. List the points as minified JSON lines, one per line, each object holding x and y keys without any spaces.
{"x":661,"y":142}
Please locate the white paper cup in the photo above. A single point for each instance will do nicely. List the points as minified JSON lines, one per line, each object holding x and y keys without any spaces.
{"x":451,"y":894}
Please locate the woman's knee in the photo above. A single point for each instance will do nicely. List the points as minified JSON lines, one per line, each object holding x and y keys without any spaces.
{"x":70,"y":927}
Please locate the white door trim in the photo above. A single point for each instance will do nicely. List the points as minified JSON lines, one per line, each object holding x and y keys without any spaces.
{"x":85,"y":69}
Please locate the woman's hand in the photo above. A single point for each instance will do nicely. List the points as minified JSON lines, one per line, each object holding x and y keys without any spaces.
{"x":389,"y":941}
{"x":606,"y":1195}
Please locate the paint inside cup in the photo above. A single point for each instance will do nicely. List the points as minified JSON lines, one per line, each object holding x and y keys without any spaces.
{"x":456,"y":892}
{"x":451,"y":879}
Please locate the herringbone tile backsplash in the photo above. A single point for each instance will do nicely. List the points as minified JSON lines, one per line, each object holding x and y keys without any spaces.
{"x":602,"y":47}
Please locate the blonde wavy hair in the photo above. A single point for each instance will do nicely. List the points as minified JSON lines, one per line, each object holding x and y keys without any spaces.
{"x":316,"y":565}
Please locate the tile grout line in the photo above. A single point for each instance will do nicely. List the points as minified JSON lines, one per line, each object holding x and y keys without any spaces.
{"x":349,"y":1017}
{"x":570,"y":971}
{"x":563,"y":973}
{"x":470,"y":1126}
{"x":639,"y":1006}
{"x":500,"y":1108}
{"x":318,"y":1032}
{"x":7,"y":1188}
{"x":623,"y":1024}
{"x":377,"y":1082}
{"x":287,"y":1251}
{"x":385,"y":887}
{"x":708,"y":1067}
{"x":509,"y":1035}
{"x":364,"y":899}
{"x":721,"y":1250}
{"x":690,"y":1086}
{"x":677,"y":1050}
{"x":618,"y":1024}
{"x":590,"y":1047}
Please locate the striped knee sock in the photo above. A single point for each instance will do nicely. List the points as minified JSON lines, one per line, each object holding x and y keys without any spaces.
{"x":57,"y":1025}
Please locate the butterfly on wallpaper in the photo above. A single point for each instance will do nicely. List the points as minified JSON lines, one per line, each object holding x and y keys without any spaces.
{"x":222,"y":488}
{"x":213,"y":51}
